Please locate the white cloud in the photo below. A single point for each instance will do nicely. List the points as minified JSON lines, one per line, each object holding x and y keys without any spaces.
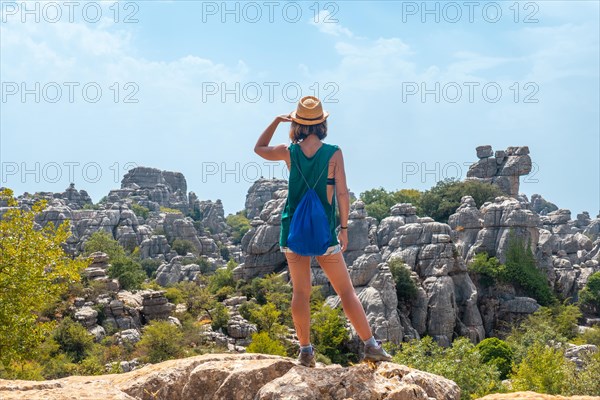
{"x":327,"y":24}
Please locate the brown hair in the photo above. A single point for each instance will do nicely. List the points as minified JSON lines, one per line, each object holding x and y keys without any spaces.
{"x":299,"y":132}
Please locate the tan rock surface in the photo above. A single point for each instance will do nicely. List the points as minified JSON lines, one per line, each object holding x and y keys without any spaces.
{"x":241,"y":376}
{"x":534,"y":396}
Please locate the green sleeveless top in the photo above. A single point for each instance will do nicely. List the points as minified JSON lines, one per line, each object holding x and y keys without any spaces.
{"x":311,"y":168}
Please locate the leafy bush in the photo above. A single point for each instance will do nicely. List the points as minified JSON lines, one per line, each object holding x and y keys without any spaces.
{"x":169,"y":210}
{"x":220,"y":317}
{"x":182,"y":247}
{"x":329,"y":334}
{"x":266,"y":318}
{"x":222,"y":277}
{"x":489,"y":269}
{"x":590,"y":294}
{"x":379,"y":201}
{"x":140,"y":210}
{"x":544,"y":369}
{"x":129,"y":273}
{"x":239,"y":224}
{"x":263,"y":343}
{"x":547,"y":325}
{"x":406,"y":287}
{"x":498,"y":353}
{"x":161,"y":340}
{"x":521,"y":270}
{"x":443,"y":199}
{"x":150,"y":266}
{"x":461,"y":363}
{"x":104,"y":242}
{"x":73,"y":339}
{"x":589,"y":336}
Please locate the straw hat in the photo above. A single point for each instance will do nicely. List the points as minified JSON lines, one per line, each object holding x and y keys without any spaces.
{"x":309,"y":111}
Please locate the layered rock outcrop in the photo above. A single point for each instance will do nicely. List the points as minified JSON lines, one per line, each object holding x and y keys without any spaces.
{"x":242,"y":376}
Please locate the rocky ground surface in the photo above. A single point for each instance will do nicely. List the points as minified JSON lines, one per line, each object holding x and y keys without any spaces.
{"x":241,"y":376}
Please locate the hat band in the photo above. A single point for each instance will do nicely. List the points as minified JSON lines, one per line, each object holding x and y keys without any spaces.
{"x":309,"y":119}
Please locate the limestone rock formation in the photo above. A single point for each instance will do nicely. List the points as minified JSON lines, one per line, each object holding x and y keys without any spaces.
{"x":241,"y":376}
{"x":447,"y":301}
{"x":260,"y":193}
{"x":502,"y":168}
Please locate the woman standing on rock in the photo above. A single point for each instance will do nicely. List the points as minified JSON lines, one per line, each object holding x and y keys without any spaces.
{"x":311,"y":155}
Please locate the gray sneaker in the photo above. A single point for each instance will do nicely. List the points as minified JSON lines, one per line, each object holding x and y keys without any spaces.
{"x":307,"y":359}
{"x":373,"y":353}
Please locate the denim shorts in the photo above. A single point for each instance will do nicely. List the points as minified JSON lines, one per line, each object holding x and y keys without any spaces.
{"x":336,"y":248}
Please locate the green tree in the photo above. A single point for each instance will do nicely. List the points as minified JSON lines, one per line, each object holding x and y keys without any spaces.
{"x":73,"y":339}
{"x":498,"y":353}
{"x":34,"y":272}
{"x":222,"y":277}
{"x":161,"y":340}
{"x":406,"y":287}
{"x":379,"y":201}
{"x":521,"y":270}
{"x":443,"y":199}
{"x":104,"y":242}
{"x":128,"y":271}
{"x":182,"y":247}
{"x":220,"y":317}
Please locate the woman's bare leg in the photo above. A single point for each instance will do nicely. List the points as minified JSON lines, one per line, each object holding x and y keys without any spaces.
{"x":336,"y":270}
{"x":299,"y":267}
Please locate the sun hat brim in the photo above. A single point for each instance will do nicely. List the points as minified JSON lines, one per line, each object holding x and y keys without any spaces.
{"x":302,"y":121}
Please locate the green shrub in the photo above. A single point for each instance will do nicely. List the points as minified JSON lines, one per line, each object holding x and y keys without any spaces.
{"x":379,"y":201}
{"x":498,"y":353}
{"x":220,"y":317}
{"x":161,"y":340}
{"x":521,"y":271}
{"x":590,"y":294}
{"x":329,"y":334}
{"x":140,"y":210}
{"x":406,"y":287}
{"x":129,"y":273}
{"x":547,"y":325}
{"x":461,"y":363}
{"x":104,"y":242}
{"x":489,"y":269}
{"x":443,"y":199}
{"x":182,"y":247}
{"x":267,"y":319}
{"x":73,"y":339}
{"x":150,"y":266}
{"x":239,"y":224}
{"x":263,"y":343}
{"x":220,"y":278}
{"x":169,"y":210}
{"x":590,"y":336}
{"x":544,"y":370}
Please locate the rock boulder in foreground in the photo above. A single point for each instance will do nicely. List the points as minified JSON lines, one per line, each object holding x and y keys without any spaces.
{"x":241,"y":376}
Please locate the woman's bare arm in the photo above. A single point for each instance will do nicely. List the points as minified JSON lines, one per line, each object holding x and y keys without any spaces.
{"x":341,"y":189}
{"x":262,"y":148}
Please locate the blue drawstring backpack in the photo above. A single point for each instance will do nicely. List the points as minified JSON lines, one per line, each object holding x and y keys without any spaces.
{"x":309,"y":233}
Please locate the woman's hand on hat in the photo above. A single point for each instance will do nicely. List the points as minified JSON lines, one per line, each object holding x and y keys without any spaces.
{"x":284,"y":118}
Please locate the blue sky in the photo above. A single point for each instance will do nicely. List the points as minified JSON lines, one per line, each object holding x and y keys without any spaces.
{"x":189,"y":86}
